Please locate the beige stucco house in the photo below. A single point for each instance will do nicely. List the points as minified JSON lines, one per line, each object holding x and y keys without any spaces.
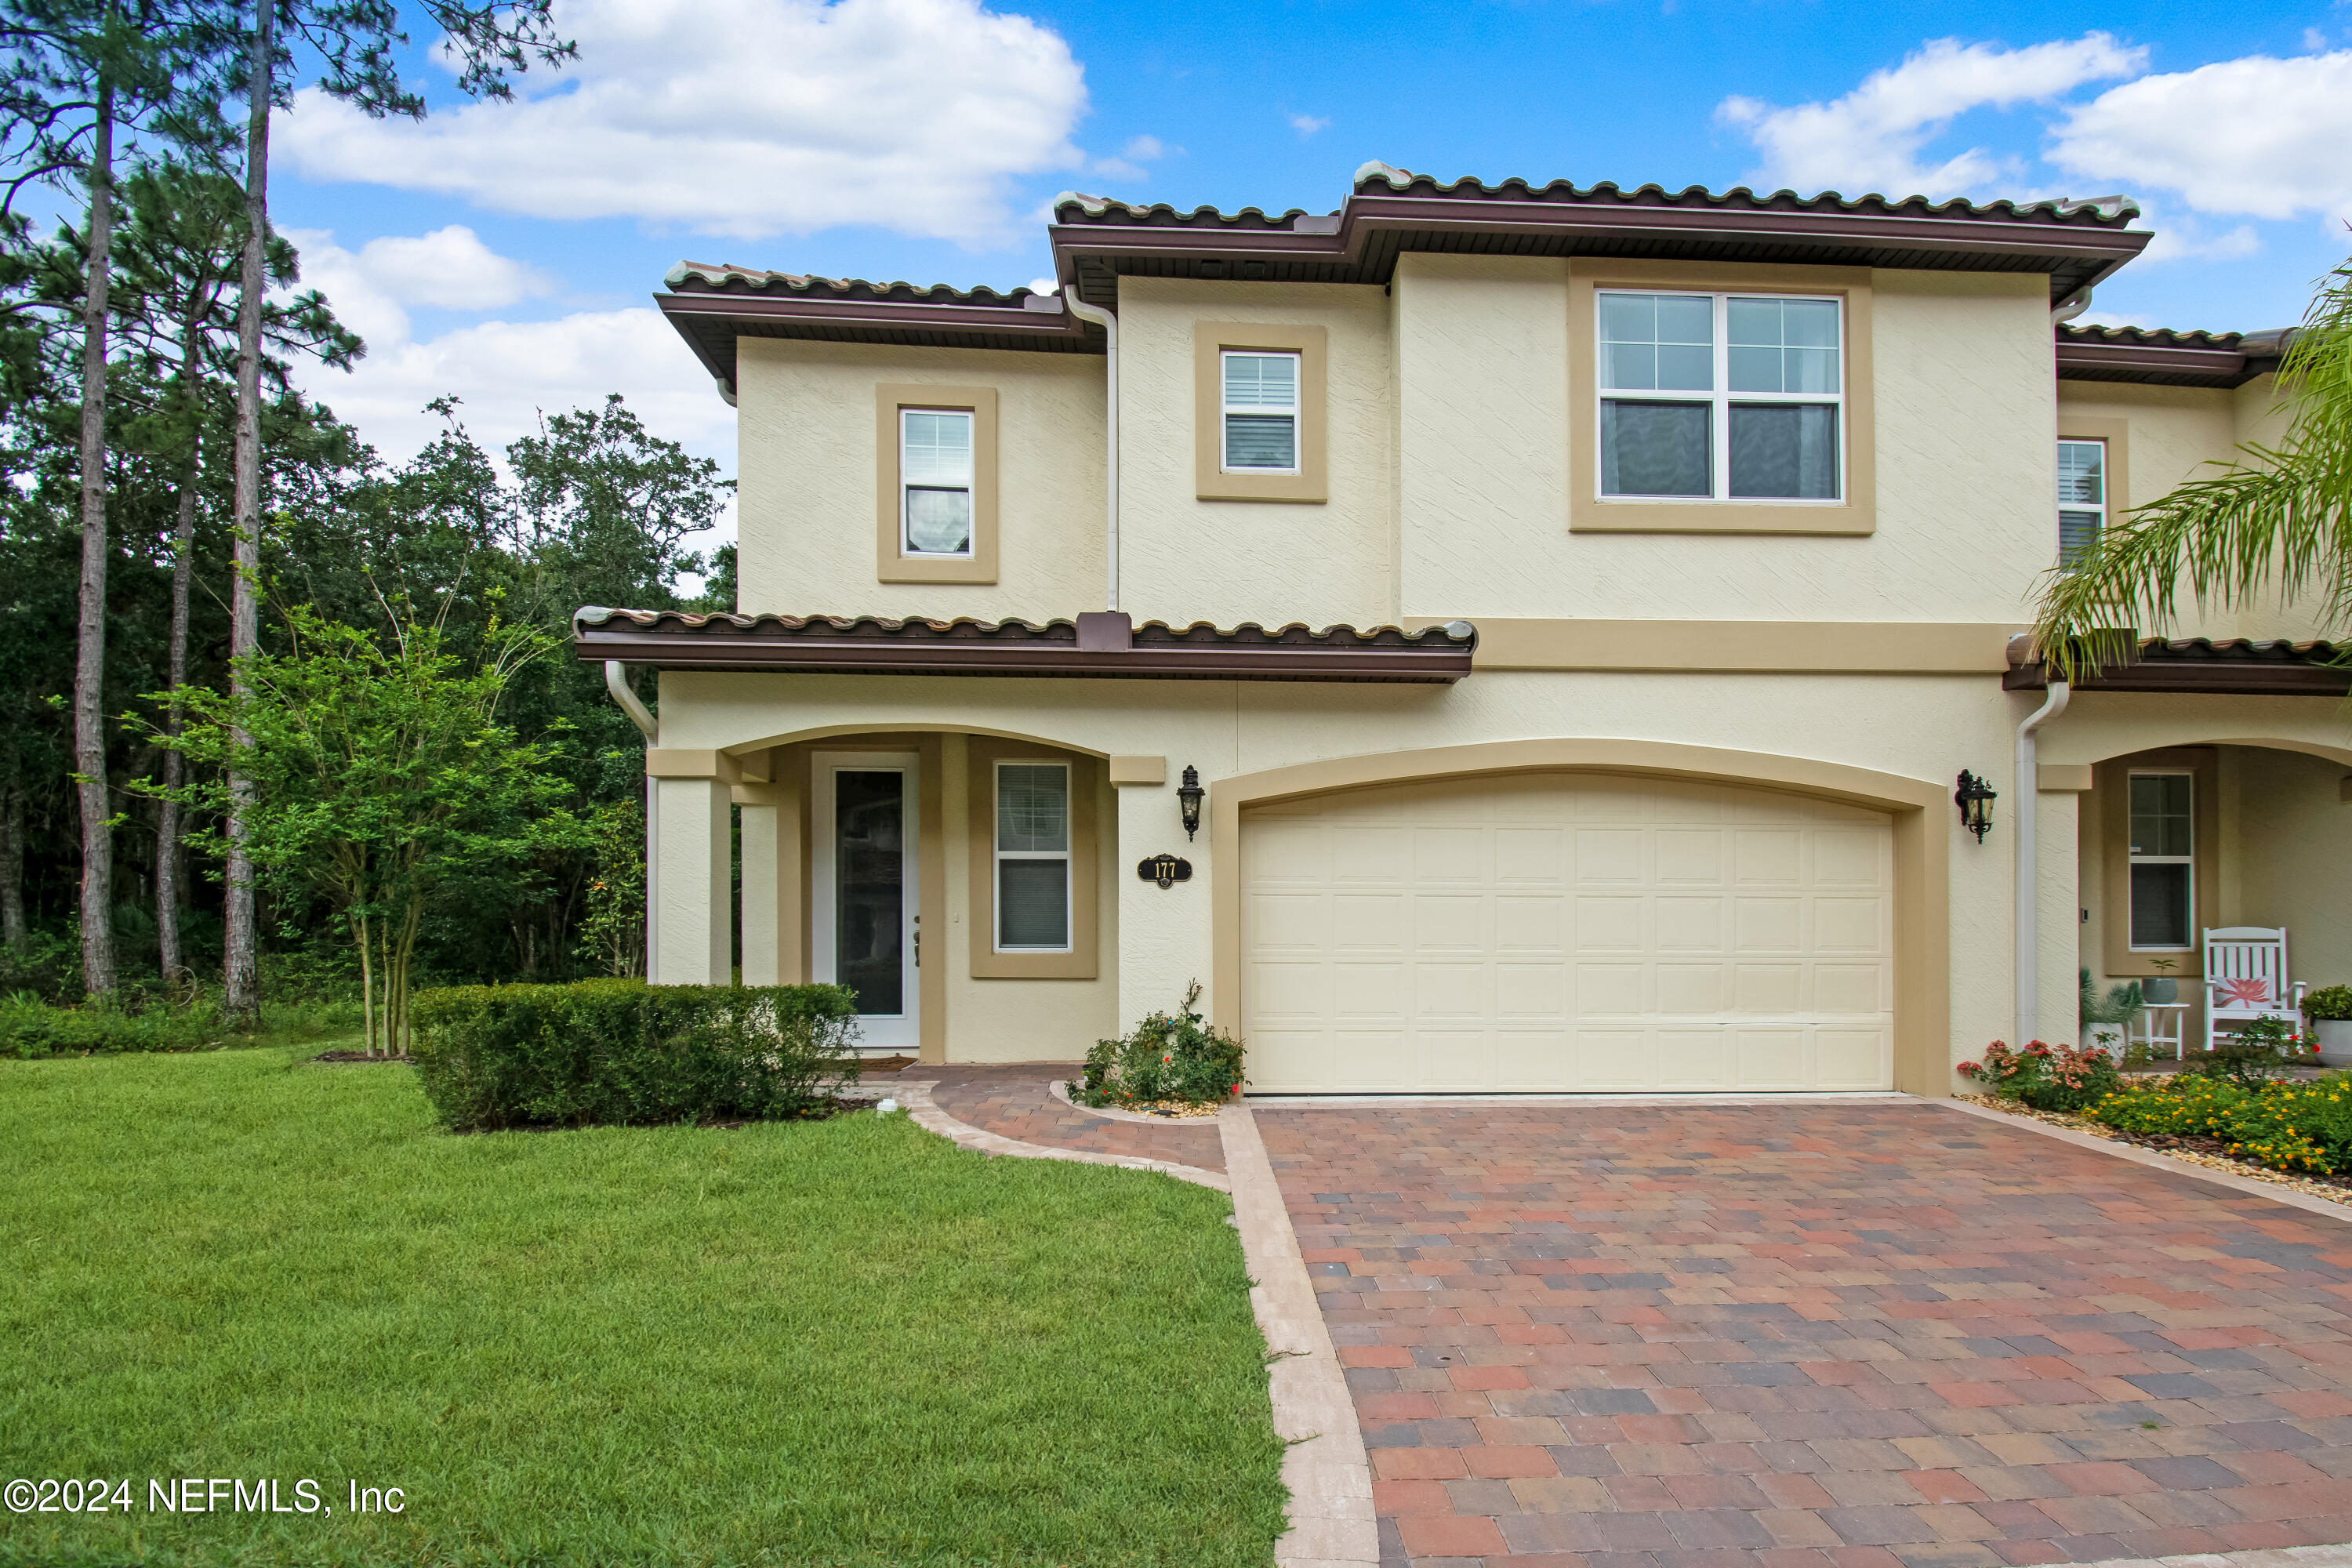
{"x":1578,"y":607}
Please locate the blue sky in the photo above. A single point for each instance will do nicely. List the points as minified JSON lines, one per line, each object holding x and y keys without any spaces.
{"x":506,"y":253}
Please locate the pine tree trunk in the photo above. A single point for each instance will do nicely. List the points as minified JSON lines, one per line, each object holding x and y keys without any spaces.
{"x":12,"y":930}
{"x":167,"y":823}
{"x":241,"y":978}
{"x":97,"y":976}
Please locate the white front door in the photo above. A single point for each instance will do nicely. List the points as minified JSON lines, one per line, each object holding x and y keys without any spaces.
{"x":864,"y":930}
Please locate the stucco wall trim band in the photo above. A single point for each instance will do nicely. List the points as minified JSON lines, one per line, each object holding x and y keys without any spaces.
{"x":1779,"y":646}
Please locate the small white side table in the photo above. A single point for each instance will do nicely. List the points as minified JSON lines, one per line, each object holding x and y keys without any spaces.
{"x":2165,"y":1023}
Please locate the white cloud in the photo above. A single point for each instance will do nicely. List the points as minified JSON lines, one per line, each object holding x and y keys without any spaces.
{"x":450,"y":267}
{"x":507,"y":372}
{"x":2260,"y":137}
{"x":1045,"y":285}
{"x":1144,"y":149}
{"x":1308,"y":124}
{"x":743,"y":118}
{"x":1872,"y":138}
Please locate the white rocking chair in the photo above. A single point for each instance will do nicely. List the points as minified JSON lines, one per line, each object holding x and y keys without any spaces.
{"x":2246,"y":979}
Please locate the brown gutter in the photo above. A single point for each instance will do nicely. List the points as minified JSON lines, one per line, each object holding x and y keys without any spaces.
{"x":1098,"y":644}
{"x":2237,"y":668}
{"x":2081,"y":361}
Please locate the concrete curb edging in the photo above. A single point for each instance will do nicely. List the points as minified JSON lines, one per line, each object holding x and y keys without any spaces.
{"x":1060,"y":1090}
{"x":1325,"y":1467}
{"x":2149,"y":1157}
{"x":2280,"y":1557}
{"x":917,"y":1098}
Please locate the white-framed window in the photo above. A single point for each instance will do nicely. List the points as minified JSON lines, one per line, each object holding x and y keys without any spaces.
{"x":1721,"y":398}
{"x":1032,"y":857}
{"x":2082,"y":496}
{"x":2163,"y":859}
{"x":935,"y":481}
{"x":1261,"y":411}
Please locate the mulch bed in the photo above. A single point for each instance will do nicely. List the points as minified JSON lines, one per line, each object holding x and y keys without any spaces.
{"x":2210,"y":1152}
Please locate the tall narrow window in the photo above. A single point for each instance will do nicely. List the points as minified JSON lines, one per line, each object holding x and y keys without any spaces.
{"x":935,"y":482}
{"x":1261,"y":412}
{"x":1736,"y":397}
{"x":2082,"y":496}
{"x":1032,"y":858}
{"x":2163,"y":860}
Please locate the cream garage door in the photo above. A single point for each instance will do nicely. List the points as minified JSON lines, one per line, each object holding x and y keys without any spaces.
{"x":1567,"y":931}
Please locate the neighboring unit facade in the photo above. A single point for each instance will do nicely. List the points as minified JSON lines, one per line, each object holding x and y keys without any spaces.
{"x":1577,"y":607}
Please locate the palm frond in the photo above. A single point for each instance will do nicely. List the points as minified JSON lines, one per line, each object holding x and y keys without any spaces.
{"x":2275,"y":520}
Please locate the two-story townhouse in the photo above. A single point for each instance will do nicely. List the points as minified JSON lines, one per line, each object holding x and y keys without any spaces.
{"x":1574,"y":608}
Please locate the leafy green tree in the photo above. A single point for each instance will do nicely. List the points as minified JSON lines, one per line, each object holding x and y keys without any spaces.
{"x":180,"y":252}
{"x":380,"y":782}
{"x":2274,"y":525}
{"x":355,"y":42}
{"x":75,"y":74}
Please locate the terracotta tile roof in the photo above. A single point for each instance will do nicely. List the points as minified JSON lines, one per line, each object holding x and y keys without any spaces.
{"x":2241,"y":666}
{"x":2159,"y":356}
{"x":1091,"y":645}
{"x":703,"y":278}
{"x":1073,"y":206}
{"x":1390,"y":212}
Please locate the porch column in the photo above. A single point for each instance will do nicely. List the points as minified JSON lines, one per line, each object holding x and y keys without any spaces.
{"x":693,"y":923}
{"x":2059,"y":901}
{"x":771,"y":883}
{"x":1164,"y":935}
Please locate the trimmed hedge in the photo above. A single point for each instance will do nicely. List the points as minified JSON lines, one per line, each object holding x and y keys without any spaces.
{"x":620,"y":1052}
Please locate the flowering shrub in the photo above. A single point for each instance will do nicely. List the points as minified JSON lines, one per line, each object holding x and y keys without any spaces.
{"x":1170,"y":1056}
{"x":2047,"y":1078}
{"x":2257,"y":1053}
{"x":2290,"y":1126}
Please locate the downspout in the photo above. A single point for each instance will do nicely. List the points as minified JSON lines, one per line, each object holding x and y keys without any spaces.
{"x":1108,"y":322}
{"x":2029,"y":887}
{"x":616,"y":681}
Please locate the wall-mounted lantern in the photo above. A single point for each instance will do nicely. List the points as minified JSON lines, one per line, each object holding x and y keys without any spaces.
{"x":1975,"y":798}
{"x":1188,"y":800}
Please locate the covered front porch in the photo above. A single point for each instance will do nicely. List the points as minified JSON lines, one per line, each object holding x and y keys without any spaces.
{"x":2202,"y":791}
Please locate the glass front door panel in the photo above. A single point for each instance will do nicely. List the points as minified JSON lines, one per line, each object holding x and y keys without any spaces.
{"x":869,"y":882}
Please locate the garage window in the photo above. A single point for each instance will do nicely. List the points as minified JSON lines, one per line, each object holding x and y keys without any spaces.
{"x":1032,"y":858}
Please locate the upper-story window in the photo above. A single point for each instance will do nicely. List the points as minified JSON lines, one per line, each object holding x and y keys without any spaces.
{"x":935,"y":473}
{"x":1736,"y":397}
{"x":2082,"y":496}
{"x":1261,"y":412}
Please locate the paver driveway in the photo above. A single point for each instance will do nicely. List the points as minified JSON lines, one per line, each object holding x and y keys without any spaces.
{"x":1815,"y":1335}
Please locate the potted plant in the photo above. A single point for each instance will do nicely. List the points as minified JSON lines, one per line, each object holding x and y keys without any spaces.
{"x":2162,"y":989}
{"x":2329,"y":1011}
{"x":2107,"y":1023}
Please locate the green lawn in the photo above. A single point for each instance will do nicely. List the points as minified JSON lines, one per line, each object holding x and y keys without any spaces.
{"x":846,"y":1342}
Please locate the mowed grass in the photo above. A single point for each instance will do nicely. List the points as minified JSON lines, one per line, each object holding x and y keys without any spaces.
{"x":836,"y":1342}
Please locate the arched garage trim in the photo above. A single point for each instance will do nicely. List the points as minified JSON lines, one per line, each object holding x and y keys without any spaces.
{"x":1922,"y":837}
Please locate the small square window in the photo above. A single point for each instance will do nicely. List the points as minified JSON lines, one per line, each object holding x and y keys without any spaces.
{"x":1261,"y":412}
{"x":935,"y":474}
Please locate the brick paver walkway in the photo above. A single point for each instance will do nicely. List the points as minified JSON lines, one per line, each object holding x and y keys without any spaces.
{"x":1815,"y":1336}
{"x":1014,"y":1102}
